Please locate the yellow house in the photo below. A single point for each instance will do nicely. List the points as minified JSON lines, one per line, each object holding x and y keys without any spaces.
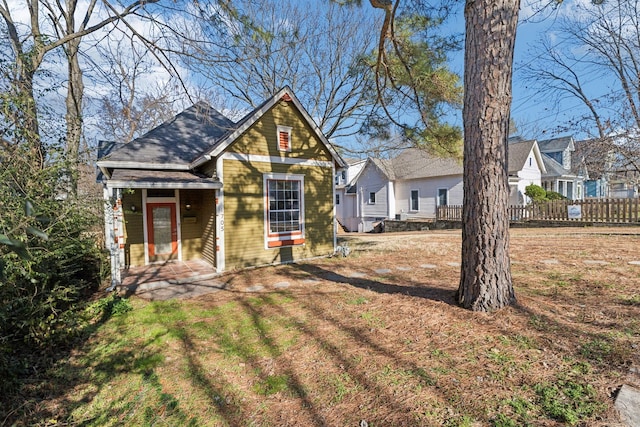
{"x":254,"y":192}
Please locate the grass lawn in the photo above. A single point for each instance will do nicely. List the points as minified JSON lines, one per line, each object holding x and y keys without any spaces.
{"x":375,"y":336}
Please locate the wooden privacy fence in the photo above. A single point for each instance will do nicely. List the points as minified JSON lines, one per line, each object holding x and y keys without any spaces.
{"x":589,"y":210}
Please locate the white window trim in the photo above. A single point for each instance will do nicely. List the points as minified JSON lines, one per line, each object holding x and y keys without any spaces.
{"x":411,"y":200}
{"x":287,"y":130}
{"x":369,"y":198}
{"x":294,"y":239}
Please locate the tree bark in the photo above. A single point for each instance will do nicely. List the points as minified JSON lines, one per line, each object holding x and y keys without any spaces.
{"x":485,"y":281}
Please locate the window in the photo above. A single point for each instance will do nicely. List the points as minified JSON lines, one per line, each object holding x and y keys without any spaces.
{"x":284,"y":206}
{"x":284,"y":138}
{"x":556,"y":155}
{"x":443,"y":197}
{"x":372,"y":198}
{"x":415,"y":200}
{"x":337,"y":199}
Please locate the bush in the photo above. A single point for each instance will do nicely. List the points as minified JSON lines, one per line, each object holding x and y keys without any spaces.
{"x":538,"y":194}
{"x":535,"y":193}
{"x":552,"y":195}
{"x":45,"y":284}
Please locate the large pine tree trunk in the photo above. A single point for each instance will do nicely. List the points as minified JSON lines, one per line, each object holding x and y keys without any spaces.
{"x":485,"y":282}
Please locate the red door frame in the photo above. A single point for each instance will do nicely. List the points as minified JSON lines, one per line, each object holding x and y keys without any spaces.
{"x":174,"y":228}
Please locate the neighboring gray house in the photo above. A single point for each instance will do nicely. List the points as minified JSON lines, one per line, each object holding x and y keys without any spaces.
{"x":610,"y":174}
{"x":565,"y":172}
{"x":414,"y":184}
{"x":345,"y":202}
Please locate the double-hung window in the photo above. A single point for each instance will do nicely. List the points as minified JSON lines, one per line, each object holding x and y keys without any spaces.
{"x":284,"y":210}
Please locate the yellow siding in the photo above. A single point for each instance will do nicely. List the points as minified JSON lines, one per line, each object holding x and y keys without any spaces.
{"x":261,"y":138}
{"x":208,"y":227}
{"x":133,"y":228}
{"x":191,"y":224}
{"x":197,"y":225}
{"x":244,"y":214}
{"x":243,"y":191}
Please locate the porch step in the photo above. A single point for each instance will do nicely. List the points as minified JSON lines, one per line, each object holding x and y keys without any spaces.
{"x":152,"y":284}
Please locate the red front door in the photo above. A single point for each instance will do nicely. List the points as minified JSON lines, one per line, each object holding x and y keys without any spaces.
{"x":162,"y":231}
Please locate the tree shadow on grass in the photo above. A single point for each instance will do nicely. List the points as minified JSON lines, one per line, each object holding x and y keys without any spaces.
{"x":412,"y":288}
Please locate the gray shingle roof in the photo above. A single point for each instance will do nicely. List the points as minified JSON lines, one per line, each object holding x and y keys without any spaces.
{"x":414,"y":163}
{"x":519,"y":154}
{"x":135,"y":178}
{"x":555,"y":144}
{"x":554,"y":169}
{"x":177,"y":141}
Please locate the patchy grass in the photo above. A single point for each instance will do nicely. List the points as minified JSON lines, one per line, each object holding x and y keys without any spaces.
{"x":390,"y":349}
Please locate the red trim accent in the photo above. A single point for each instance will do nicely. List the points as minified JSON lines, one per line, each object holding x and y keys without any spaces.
{"x":284,"y":233}
{"x":279,"y":243}
{"x":286,"y":98}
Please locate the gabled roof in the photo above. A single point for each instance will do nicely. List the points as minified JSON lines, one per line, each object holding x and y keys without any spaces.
{"x":193,"y":137}
{"x":175,"y":143}
{"x":245,"y":123}
{"x":385,"y":166}
{"x":556,"y":144}
{"x":554,"y":168}
{"x":519,"y":151}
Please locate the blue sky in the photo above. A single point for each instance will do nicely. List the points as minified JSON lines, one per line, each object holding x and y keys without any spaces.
{"x":535,"y":116}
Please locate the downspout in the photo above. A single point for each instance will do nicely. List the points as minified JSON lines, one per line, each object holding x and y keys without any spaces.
{"x":360,"y":202}
{"x":335,"y":217}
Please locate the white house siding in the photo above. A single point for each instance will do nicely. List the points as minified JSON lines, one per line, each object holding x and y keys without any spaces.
{"x":372,"y":180}
{"x":427,"y":195}
{"x":346,"y":210}
{"x":529,"y":174}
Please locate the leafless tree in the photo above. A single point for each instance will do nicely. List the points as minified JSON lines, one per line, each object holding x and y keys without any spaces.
{"x":321,"y":52}
{"x":65,"y":29}
{"x":594,"y":58}
{"x":53,"y":26}
{"x":133,"y":103}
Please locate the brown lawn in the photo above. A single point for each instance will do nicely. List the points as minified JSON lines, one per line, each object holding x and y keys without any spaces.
{"x":377,"y":337}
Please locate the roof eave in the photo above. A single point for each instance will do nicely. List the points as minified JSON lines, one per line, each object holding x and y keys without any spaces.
{"x":139,"y":184}
{"x":116,"y":164}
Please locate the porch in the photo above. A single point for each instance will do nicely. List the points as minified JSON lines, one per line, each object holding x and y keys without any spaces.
{"x":159,"y":275}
